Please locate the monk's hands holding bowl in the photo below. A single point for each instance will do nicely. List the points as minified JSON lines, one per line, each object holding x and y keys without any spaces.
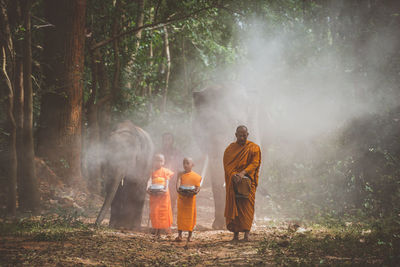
{"x":236,"y":178}
{"x":239,"y":176}
{"x":197,"y":189}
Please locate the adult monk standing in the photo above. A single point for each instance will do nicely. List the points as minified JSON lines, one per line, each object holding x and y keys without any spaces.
{"x":242,"y":160}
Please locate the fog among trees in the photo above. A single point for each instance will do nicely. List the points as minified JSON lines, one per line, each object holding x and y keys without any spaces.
{"x":316,"y":82}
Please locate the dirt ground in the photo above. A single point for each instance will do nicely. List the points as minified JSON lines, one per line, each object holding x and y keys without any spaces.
{"x":209,"y":248}
{"x":76,"y":242}
{"x":269,"y":246}
{"x":111,"y":247}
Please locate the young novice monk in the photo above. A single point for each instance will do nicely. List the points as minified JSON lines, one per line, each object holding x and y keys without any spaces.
{"x":160,"y":203}
{"x":187,"y":203}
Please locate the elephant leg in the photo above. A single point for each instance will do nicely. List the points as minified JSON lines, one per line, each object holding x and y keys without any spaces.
{"x":173,"y":194}
{"x":135,"y":193}
{"x":117,"y":207}
{"x":140,"y":195}
{"x":111,"y":191}
{"x":217,"y":178}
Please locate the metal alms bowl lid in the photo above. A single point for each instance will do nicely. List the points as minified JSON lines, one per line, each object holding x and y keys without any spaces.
{"x":156,"y":187}
{"x":187,"y":187}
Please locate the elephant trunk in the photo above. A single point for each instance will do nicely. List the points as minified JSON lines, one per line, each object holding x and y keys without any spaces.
{"x":218,"y":180}
{"x":109,"y":198}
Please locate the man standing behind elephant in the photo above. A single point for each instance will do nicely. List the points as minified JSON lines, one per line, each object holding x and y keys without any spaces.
{"x":242,"y":160}
{"x":173,"y":161}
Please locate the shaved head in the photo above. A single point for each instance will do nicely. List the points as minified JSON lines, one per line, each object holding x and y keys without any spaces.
{"x":159,"y":156}
{"x":241,"y":134}
{"x":158,"y":161}
{"x":188,"y":159}
{"x":188,"y":164}
{"x":242,"y":127}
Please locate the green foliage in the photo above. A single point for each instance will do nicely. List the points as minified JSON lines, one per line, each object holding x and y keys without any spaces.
{"x":358,"y":174}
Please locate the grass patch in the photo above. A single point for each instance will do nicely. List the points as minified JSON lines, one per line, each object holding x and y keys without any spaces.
{"x":354,"y":244}
{"x":46,"y":228}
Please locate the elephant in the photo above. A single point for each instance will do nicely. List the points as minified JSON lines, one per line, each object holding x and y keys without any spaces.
{"x":128,"y":155}
{"x":218,"y":110}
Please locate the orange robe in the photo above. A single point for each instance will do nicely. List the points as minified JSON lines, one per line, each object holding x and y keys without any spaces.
{"x":173,"y":161}
{"x":160,"y":205}
{"x":187,"y":204}
{"x":239,"y":212}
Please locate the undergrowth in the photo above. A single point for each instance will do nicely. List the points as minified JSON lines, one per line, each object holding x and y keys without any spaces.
{"x":343,"y":243}
{"x":52,"y":227}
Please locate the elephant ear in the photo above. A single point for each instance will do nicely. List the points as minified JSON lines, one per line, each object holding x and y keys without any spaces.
{"x":145,"y":151}
{"x":198,"y":99}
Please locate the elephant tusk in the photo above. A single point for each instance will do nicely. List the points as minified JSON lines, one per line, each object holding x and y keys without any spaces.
{"x":204,"y":170}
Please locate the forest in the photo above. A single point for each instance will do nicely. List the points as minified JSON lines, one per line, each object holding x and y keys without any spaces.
{"x":317,"y":83}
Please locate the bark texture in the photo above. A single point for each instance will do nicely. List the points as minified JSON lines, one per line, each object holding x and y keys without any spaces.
{"x":59,"y":135}
{"x":28,"y":187}
{"x":7,"y":65}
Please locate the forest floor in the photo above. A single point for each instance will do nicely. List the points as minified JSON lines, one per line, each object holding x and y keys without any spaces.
{"x":69,"y":242}
{"x":66,"y":238}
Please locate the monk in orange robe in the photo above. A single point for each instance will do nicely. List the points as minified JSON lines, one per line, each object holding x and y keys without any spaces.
{"x":173,"y":161}
{"x":187,"y":203}
{"x":241,"y":158}
{"x":160,"y":203}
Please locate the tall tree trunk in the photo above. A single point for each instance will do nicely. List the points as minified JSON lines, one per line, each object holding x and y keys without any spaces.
{"x":138,"y":35}
{"x":19,"y":112}
{"x":153,"y":14}
{"x":7,"y":52}
{"x":109,"y":90}
{"x":18,"y":84}
{"x":151,"y":58}
{"x":12,"y":159}
{"x":116,"y":88}
{"x":139,"y":22}
{"x":93,"y":134}
{"x":94,"y":105}
{"x":168,"y":70}
{"x":59,"y":135}
{"x":29,"y":192}
{"x":185,"y":72}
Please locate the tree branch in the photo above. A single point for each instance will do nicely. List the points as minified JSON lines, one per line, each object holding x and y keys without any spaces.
{"x":151,"y":26}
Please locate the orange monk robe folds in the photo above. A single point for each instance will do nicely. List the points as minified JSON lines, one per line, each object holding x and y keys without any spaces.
{"x":187,"y":204}
{"x":160,"y":205}
{"x":239,"y":212}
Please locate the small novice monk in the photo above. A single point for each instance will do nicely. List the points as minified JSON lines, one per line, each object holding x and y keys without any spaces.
{"x":160,"y":203}
{"x":187,"y":203}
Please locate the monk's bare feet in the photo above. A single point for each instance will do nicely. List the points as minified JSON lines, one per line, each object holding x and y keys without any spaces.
{"x":189,"y":236}
{"x":246,"y":236}
{"x":235,"y":237}
{"x":178,"y":239}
